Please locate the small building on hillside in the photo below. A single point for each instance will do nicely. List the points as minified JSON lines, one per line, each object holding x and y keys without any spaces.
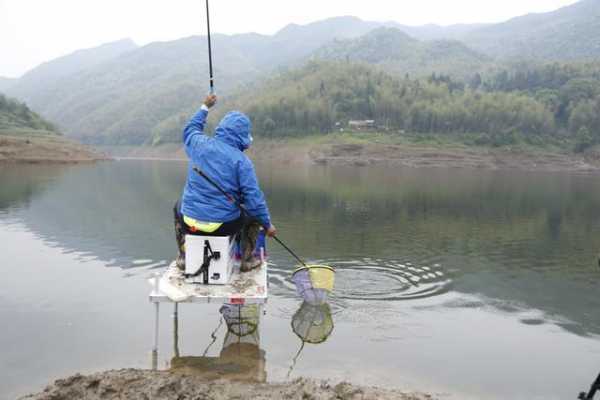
{"x":362,"y":125}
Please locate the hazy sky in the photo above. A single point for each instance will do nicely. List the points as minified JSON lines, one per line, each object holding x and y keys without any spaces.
{"x":34,"y":31}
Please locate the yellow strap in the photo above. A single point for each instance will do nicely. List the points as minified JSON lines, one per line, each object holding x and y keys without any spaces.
{"x":208,"y":227}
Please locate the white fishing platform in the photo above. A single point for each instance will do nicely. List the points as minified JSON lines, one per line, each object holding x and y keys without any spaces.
{"x":243,"y":288}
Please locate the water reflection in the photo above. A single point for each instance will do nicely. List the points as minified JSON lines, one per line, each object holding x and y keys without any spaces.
{"x":521,"y":238}
{"x":312,"y":323}
{"x":241,"y":357}
{"x":116,"y":212}
{"x":388,"y":280}
{"x":420,"y":255}
{"x":22,"y":183}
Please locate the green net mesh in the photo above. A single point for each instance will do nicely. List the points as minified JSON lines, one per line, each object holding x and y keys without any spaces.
{"x":313,"y":323}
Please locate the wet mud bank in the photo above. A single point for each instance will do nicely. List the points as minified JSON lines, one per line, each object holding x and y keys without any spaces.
{"x":45,"y":150}
{"x":140,"y":384}
{"x":338,"y":152}
{"x":474,"y":158}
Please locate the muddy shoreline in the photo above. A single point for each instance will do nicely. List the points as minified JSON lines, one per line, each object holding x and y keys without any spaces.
{"x":339,"y":152}
{"x":144,"y":384}
{"x":45,"y":149}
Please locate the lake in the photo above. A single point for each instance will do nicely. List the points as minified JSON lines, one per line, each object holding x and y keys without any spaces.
{"x":463,"y":283}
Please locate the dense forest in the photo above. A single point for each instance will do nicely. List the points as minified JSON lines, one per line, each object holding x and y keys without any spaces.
{"x":16,"y":117}
{"x":570,"y":92}
{"x":531,"y":104}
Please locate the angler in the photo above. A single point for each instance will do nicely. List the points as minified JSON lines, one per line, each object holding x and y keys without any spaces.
{"x":203,"y":210}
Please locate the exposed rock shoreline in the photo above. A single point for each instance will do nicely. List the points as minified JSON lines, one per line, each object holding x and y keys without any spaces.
{"x":135,"y":384}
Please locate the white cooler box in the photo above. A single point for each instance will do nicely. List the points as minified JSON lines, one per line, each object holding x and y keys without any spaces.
{"x":209,"y":259}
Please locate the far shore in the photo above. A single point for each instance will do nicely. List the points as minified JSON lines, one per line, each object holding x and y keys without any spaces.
{"x":341,"y":150}
{"x":45,"y":149}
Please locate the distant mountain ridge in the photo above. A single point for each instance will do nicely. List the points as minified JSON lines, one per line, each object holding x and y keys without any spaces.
{"x":123,"y":99}
{"x":120,"y":93}
{"x":398,"y":52}
{"x":569,"y":33}
{"x":437,"y":32}
{"x":80,"y":60}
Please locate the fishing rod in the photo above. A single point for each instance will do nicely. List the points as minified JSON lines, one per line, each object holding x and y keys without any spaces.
{"x":590,"y":395}
{"x":210,"y":63}
{"x":243,"y":210}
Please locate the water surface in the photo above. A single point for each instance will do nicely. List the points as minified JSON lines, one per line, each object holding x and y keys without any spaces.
{"x":473,"y":284}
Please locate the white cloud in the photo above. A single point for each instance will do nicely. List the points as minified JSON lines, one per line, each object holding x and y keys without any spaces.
{"x":34,"y":31}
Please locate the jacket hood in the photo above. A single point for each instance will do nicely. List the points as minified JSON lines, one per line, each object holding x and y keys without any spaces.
{"x":235,"y":130}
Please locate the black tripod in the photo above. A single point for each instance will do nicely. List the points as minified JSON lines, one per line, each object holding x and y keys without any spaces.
{"x":595,"y":388}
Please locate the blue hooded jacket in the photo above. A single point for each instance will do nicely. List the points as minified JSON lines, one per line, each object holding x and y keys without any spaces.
{"x":221,"y":158}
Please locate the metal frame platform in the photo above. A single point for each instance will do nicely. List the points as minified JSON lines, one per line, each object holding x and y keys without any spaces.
{"x":244,"y":288}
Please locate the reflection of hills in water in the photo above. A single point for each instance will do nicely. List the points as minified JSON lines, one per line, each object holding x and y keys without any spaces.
{"x":23,"y":183}
{"x":525,"y":238}
{"x":119,"y":212}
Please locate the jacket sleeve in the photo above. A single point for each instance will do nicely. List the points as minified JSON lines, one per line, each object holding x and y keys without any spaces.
{"x":193,"y":134}
{"x":252,"y":197}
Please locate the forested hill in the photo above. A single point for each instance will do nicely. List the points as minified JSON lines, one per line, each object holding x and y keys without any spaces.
{"x":323,"y":96}
{"x":399,"y":53}
{"x":570,"y":33}
{"x":123,"y":94}
{"x":121,"y":101}
{"x":128,"y":99}
{"x":16,"y":118}
{"x":530,"y":104}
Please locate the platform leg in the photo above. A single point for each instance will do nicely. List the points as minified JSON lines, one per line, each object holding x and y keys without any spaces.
{"x":176,"y":330}
{"x":155,"y":345}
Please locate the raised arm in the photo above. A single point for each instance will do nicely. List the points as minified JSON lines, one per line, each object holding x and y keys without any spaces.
{"x":193,"y":134}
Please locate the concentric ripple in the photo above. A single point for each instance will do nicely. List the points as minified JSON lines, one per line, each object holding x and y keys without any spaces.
{"x":387,"y":280}
{"x":374,"y":279}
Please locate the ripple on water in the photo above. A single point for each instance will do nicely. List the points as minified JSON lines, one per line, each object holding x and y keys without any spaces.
{"x":375,"y":279}
{"x":382,"y":280}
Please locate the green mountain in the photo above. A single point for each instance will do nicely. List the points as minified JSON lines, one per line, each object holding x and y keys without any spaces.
{"x":123,"y":94}
{"x":399,"y":53}
{"x":570,"y":33}
{"x":17,"y":118}
{"x":323,"y":96}
{"x":124,"y":99}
